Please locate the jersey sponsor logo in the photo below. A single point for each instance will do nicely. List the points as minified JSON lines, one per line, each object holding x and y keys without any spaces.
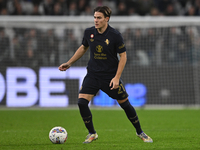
{"x":122,"y":46}
{"x":107,"y":41}
{"x":99,"y":55}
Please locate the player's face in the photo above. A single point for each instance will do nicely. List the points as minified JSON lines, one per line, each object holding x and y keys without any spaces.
{"x":99,"y":20}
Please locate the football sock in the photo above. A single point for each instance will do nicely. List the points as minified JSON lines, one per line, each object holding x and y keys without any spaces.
{"x":86,"y":114}
{"x":132,"y":115}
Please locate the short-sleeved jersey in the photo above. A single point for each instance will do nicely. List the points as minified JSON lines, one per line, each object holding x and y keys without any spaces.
{"x":103,"y":50}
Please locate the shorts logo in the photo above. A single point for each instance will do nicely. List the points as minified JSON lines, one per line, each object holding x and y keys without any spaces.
{"x":99,"y":48}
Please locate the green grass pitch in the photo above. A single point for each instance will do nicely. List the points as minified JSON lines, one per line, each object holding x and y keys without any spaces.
{"x":28,"y":129}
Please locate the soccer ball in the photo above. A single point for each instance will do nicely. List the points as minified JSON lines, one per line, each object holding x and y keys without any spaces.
{"x":58,"y":135}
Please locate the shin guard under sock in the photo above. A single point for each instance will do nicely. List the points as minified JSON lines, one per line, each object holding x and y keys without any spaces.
{"x":132,"y":116}
{"x":86,"y":114}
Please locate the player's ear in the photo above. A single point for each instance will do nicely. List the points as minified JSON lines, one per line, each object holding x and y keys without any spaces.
{"x":107,"y":19}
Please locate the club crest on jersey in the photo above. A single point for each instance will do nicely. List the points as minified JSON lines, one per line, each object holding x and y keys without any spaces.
{"x":99,"y":48}
{"x":92,"y":36}
{"x":107,"y":41}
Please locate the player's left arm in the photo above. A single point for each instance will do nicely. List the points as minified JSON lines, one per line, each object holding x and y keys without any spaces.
{"x":122,"y":62}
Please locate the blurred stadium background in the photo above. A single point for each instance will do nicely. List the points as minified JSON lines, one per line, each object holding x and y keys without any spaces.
{"x":162,"y":38}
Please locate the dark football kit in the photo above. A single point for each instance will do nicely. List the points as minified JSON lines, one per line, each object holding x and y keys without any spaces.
{"x":103,"y":63}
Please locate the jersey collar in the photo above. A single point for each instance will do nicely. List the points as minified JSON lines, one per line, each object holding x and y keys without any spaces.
{"x":105,"y":32}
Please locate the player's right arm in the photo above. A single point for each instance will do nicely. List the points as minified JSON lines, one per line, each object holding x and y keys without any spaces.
{"x":78,"y":54}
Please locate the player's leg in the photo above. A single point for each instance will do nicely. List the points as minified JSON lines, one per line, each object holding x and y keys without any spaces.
{"x":85,"y":112}
{"x":86,"y":115}
{"x":122,"y":98}
{"x":89,"y":89}
{"x":132,"y":116}
{"x":130,"y":113}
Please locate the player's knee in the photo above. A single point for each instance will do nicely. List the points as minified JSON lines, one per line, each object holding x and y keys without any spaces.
{"x":122,"y":101}
{"x":125,"y":104}
{"x":82,"y":102}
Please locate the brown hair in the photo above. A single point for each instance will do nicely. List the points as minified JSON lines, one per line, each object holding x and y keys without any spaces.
{"x":103,"y":9}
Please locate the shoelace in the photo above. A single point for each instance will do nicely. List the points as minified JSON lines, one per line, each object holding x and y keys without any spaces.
{"x":144,"y":135}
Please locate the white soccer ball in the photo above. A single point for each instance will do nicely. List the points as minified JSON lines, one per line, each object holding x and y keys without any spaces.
{"x":58,"y":135}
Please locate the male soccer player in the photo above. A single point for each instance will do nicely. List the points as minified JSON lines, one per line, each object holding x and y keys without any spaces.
{"x":103,"y":71}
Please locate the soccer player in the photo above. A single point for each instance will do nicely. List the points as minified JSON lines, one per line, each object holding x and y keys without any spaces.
{"x":103,"y":71}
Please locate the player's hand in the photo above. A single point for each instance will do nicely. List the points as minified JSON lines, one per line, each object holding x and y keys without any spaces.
{"x":64,"y":67}
{"x":114,"y":83}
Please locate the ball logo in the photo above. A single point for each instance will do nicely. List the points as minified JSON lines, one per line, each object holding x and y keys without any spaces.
{"x":58,"y":130}
{"x":57,"y":140}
